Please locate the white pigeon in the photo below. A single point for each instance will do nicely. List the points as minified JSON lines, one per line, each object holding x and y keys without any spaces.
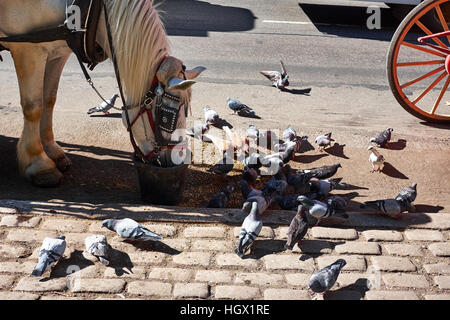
{"x":130,"y":229}
{"x":252,"y":132}
{"x":211,"y":116}
{"x":289,"y":134}
{"x":104,"y":106}
{"x":324,"y":141}
{"x":98,"y":247}
{"x":280,"y":80}
{"x":51,"y":252}
{"x":376,"y":159}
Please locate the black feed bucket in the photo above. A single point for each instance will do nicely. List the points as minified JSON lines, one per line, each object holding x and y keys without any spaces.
{"x":159,"y":185}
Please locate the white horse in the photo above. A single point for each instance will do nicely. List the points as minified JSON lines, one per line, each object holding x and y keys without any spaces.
{"x":140,"y":43}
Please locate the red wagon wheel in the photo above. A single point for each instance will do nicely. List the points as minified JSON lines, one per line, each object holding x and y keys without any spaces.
{"x":419,"y":72}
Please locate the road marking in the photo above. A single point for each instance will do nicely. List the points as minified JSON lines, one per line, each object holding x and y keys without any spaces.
{"x":288,"y":22}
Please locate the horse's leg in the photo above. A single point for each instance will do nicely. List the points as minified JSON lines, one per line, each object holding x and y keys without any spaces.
{"x":53,"y":72}
{"x":33,"y":162}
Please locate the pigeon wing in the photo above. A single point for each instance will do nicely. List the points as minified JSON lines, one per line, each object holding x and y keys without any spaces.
{"x":271,"y":75}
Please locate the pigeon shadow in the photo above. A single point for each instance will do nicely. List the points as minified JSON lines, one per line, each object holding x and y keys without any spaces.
{"x":111,"y":115}
{"x":313,"y":248}
{"x":428,"y":208}
{"x":155,"y":246}
{"x":397,"y":145}
{"x":120,"y":262}
{"x":354,"y":291}
{"x":390,"y":170}
{"x":246,"y":114}
{"x":304,"y":92}
{"x":348,"y":186}
{"x":75,"y":262}
{"x":308,"y":158}
{"x":264,"y":247}
{"x":337,"y":150}
{"x":223,"y":123}
{"x":305,"y":147}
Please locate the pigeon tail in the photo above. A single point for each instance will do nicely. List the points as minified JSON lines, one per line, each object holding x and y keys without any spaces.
{"x":40,"y":268}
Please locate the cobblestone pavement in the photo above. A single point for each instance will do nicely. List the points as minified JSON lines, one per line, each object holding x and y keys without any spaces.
{"x":403,"y":259}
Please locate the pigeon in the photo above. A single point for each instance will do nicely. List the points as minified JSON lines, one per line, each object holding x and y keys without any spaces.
{"x":407,"y":195}
{"x":275,"y":186}
{"x":130,"y":229}
{"x":250,"y":175}
{"x":383,"y":137}
{"x":289,"y":134}
{"x":198,"y":130}
{"x":298,"y":228}
{"x":98,"y":247}
{"x":288,"y":201}
{"x":280,"y":80}
{"x":389,"y":207}
{"x":337,"y":203}
{"x":375,"y":158}
{"x":323,"y":172}
{"x":252,"y":132}
{"x":273,"y":162}
{"x":324,"y":279}
{"x":318,"y":209}
{"x":324,"y":187}
{"x":224,"y":166}
{"x":104,"y":106}
{"x":237,"y":106}
{"x":299,"y":181}
{"x":211,"y":116}
{"x":324,"y":141}
{"x":51,"y":252}
{"x":221,"y":199}
{"x":253,"y":161}
{"x":251,"y":227}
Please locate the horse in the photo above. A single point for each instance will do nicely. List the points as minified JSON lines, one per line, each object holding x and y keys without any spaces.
{"x":142,"y":53}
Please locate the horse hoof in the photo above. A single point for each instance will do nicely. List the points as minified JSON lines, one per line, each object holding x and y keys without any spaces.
{"x":47,"y":178}
{"x":63,"y":163}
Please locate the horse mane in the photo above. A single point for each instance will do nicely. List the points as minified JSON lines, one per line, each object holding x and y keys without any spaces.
{"x":140,"y":42}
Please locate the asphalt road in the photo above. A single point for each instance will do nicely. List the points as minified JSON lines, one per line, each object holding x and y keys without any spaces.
{"x":338,"y":79}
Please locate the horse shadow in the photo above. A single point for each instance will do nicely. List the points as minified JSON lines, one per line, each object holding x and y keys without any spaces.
{"x":109,"y":115}
{"x":337,"y":150}
{"x":397,"y":145}
{"x":390,"y":170}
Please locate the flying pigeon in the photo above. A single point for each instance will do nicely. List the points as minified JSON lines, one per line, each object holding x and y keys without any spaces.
{"x":104,"y":106}
{"x":252,"y":132}
{"x":324,"y":187}
{"x":324,"y":141}
{"x":375,"y":158}
{"x":130,"y":229}
{"x":318,"y":209}
{"x":279,"y":79}
{"x":98,"y":247}
{"x":251,"y":227}
{"x":298,"y":228}
{"x":237,"y":106}
{"x":221,"y":199}
{"x":211,"y":116}
{"x":383,"y":137}
{"x":224,"y":166}
{"x":322,"y":280}
{"x":323,"y":172}
{"x":51,"y":252}
{"x":389,"y":207}
{"x":198,"y":130}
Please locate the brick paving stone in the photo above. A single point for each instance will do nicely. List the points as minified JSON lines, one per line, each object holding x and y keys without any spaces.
{"x":236,"y":292}
{"x":281,"y":233}
{"x":96,"y":285}
{"x":191,"y":290}
{"x":286,"y":294}
{"x":64,"y":225}
{"x":193,"y":258}
{"x":283,"y":261}
{"x":354,"y":263}
{"x":404,"y":250}
{"x":440,"y":249}
{"x":135,"y":273}
{"x":6,"y":282}
{"x":36,"y":285}
{"x":18,"y":296}
{"x":170,"y":274}
{"x":424,"y":235}
{"x":353,"y":279}
{"x":205,"y":232}
{"x":147,"y":257}
{"x":382,"y":235}
{"x":437,"y":297}
{"x":334,"y":233}
{"x":13,"y":251}
{"x":442,"y":281}
{"x":17,"y":267}
{"x":392,"y":264}
{"x":298,"y":279}
{"x":266,"y":233}
{"x":20,"y":221}
{"x":232,"y":260}
{"x":391,"y":295}
{"x":259,"y":279}
{"x":163,"y":230}
{"x":437,"y":268}
{"x":149,"y":288}
{"x":211,"y":245}
{"x":213,"y":276}
{"x":27,"y":235}
{"x":177,"y":244}
{"x":313,"y":246}
{"x":60,"y":297}
{"x":356,"y":247}
{"x":76,"y":239}
{"x":405,"y":280}
{"x":90,"y":271}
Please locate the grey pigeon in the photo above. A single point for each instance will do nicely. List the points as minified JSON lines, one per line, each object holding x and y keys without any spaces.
{"x":383,"y":137}
{"x":324,"y":279}
{"x":98,"y":247}
{"x":323,"y":172}
{"x":245,"y":188}
{"x":408,"y":194}
{"x":279,"y":79}
{"x":389,"y":207}
{"x":198,"y":130}
{"x":298,"y":228}
{"x":237,"y":106}
{"x":252,"y":132}
{"x":130,"y":229}
{"x":251,"y":227}
{"x":324,"y":187}
{"x":318,"y":209}
{"x":224,"y":166}
{"x":324,"y":141}
{"x":211,"y":116}
{"x":299,"y":181}
{"x":221,"y":199}
{"x":338,"y":203}
{"x":51,"y":252}
{"x":273,"y":162}
{"x":104,"y":106}
{"x":250,"y":175}
{"x":288,"y":201}
{"x":375,"y":158}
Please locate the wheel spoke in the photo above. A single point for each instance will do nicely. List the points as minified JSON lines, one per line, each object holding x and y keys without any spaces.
{"x":419,"y":63}
{"x":431,"y":86}
{"x":442,"y":19}
{"x":414,"y":46}
{"x":438,"y":100}
{"x":429,"y":74}
{"x":428,"y":32}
